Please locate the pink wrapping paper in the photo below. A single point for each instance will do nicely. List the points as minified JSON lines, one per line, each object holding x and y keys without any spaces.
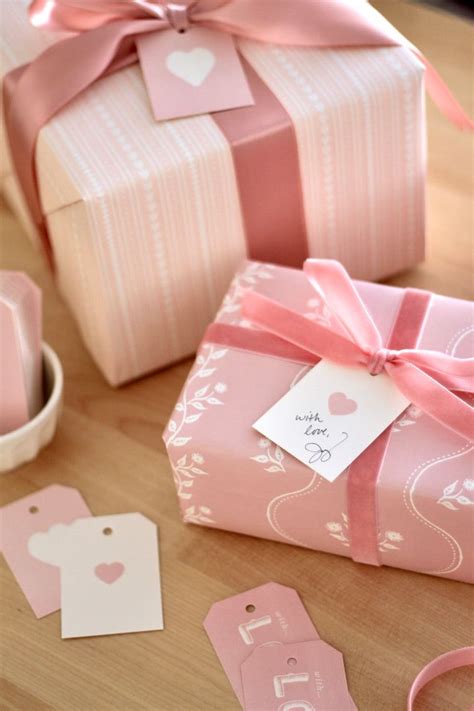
{"x":227,"y":476}
{"x":144,"y":217}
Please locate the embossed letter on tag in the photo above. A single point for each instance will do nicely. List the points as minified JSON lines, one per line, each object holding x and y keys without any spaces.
{"x":305,"y":676}
{"x":239,"y":624}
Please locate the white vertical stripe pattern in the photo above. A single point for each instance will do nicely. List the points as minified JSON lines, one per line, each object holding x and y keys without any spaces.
{"x":144,"y":217}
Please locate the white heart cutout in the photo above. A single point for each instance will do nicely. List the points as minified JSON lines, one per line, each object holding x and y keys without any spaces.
{"x":192,"y":67}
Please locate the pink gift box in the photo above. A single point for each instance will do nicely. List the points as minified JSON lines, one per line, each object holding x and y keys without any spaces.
{"x":227,"y":476}
{"x":145,"y":218}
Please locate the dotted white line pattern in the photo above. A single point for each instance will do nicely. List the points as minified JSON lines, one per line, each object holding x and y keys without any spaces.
{"x":274,"y":505}
{"x":408,"y":499}
{"x":457,"y":339}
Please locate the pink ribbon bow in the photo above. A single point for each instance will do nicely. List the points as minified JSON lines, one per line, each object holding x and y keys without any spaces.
{"x":106,"y":42}
{"x":426,"y":378}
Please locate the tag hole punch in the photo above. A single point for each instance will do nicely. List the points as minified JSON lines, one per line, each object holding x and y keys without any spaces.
{"x":250,"y":608}
{"x":181,"y":32}
{"x":107,"y":531}
{"x":33,"y":509}
{"x":291,"y":661}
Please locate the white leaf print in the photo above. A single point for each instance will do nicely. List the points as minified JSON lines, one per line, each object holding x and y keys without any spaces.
{"x":192,"y":418}
{"x":339,"y":536}
{"x":179,"y":407}
{"x":180,"y":441}
{"x":448,"y":505}
{"x":278,"y":454}
{"x":214,"y":401}
{"x":390,"y":546}
{"x":218,"y":354}
{"x":196,"y":470}
{"x":182,"y":461}
{"x":463,"y":500}
{"x":202,"y":391}
{"x":451,"y":488}
{"x":273,"y":468}
{"x":260,"y":458}
{"x":172,"y":426}
{"x":205,"y":373}
{"x":198,"y":405}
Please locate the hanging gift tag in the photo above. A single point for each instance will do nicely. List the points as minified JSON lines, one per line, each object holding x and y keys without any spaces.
{"x":332,"y":415}
{"x":193,"y":72}
{"x":25,"y":518}
{"x":269,"y":613}
{"x":305,"y":676}
{"x":110,"y":577}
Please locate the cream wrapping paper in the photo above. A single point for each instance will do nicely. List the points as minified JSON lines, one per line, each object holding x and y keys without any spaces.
{"x":144,"y":217}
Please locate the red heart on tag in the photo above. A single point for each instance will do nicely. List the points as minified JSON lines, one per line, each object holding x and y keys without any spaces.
{"x":109,"y":572}
{"x":340,"y":404}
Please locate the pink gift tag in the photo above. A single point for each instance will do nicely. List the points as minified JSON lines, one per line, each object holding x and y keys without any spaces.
{"x":19,"y":521}
{"x":21,"y":392}
{"x":194,"y":72}
{"x":269,"y":613}
{"x":304,"y":676}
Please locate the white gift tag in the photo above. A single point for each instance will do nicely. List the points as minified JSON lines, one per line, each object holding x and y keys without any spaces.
{"x":331,"y":415}
{"x":110,"y":577}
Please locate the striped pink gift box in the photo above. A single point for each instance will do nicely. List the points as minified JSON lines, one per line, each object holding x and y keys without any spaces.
{"x":145,"y":218}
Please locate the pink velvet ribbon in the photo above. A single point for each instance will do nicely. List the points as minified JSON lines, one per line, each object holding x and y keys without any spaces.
{"x":362,"y":509}
{"x":427,"y":378}
{"x":445,"y":662}
{"x":105,"y":42}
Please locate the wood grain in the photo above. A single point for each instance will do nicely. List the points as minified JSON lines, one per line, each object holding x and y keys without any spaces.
{"x":388,"y":623}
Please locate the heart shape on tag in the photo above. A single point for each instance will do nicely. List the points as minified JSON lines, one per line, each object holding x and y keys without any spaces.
{"x":193,"y":67}
{"x":340,"y":404}
{"x":109,"y":572}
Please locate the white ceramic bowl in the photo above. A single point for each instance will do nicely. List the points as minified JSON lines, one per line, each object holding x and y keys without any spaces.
{"x":23,"y":444}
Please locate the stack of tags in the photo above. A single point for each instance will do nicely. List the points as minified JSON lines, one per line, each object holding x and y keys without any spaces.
{"x":21,"y":393}
{"x":273,"y":655}
{"x":102,"y":572}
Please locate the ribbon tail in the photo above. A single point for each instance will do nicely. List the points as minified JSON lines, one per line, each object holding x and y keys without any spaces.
{"x":445,"y":662}
{"x":35,"y":93}
{"x":299,"y":330}
{"x":442,"y":96}
{"x":453,"y":373}
{"x":332,"y":282}
{"x":306,"y":23}
{"x":433,"y":398}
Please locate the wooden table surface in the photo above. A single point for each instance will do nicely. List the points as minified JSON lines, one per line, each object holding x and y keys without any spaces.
{"x":388,"y":623}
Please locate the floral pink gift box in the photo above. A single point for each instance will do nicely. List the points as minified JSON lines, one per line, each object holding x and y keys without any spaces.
{"x":407,"y":501}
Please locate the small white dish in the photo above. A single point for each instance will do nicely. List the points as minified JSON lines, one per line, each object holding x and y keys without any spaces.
{"x":23,"y":444}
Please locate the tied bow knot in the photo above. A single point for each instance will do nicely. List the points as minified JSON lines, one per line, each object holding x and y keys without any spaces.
{"x":379,"y":358}
{"x":177,"y":14}
{"x":428,"y":379}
